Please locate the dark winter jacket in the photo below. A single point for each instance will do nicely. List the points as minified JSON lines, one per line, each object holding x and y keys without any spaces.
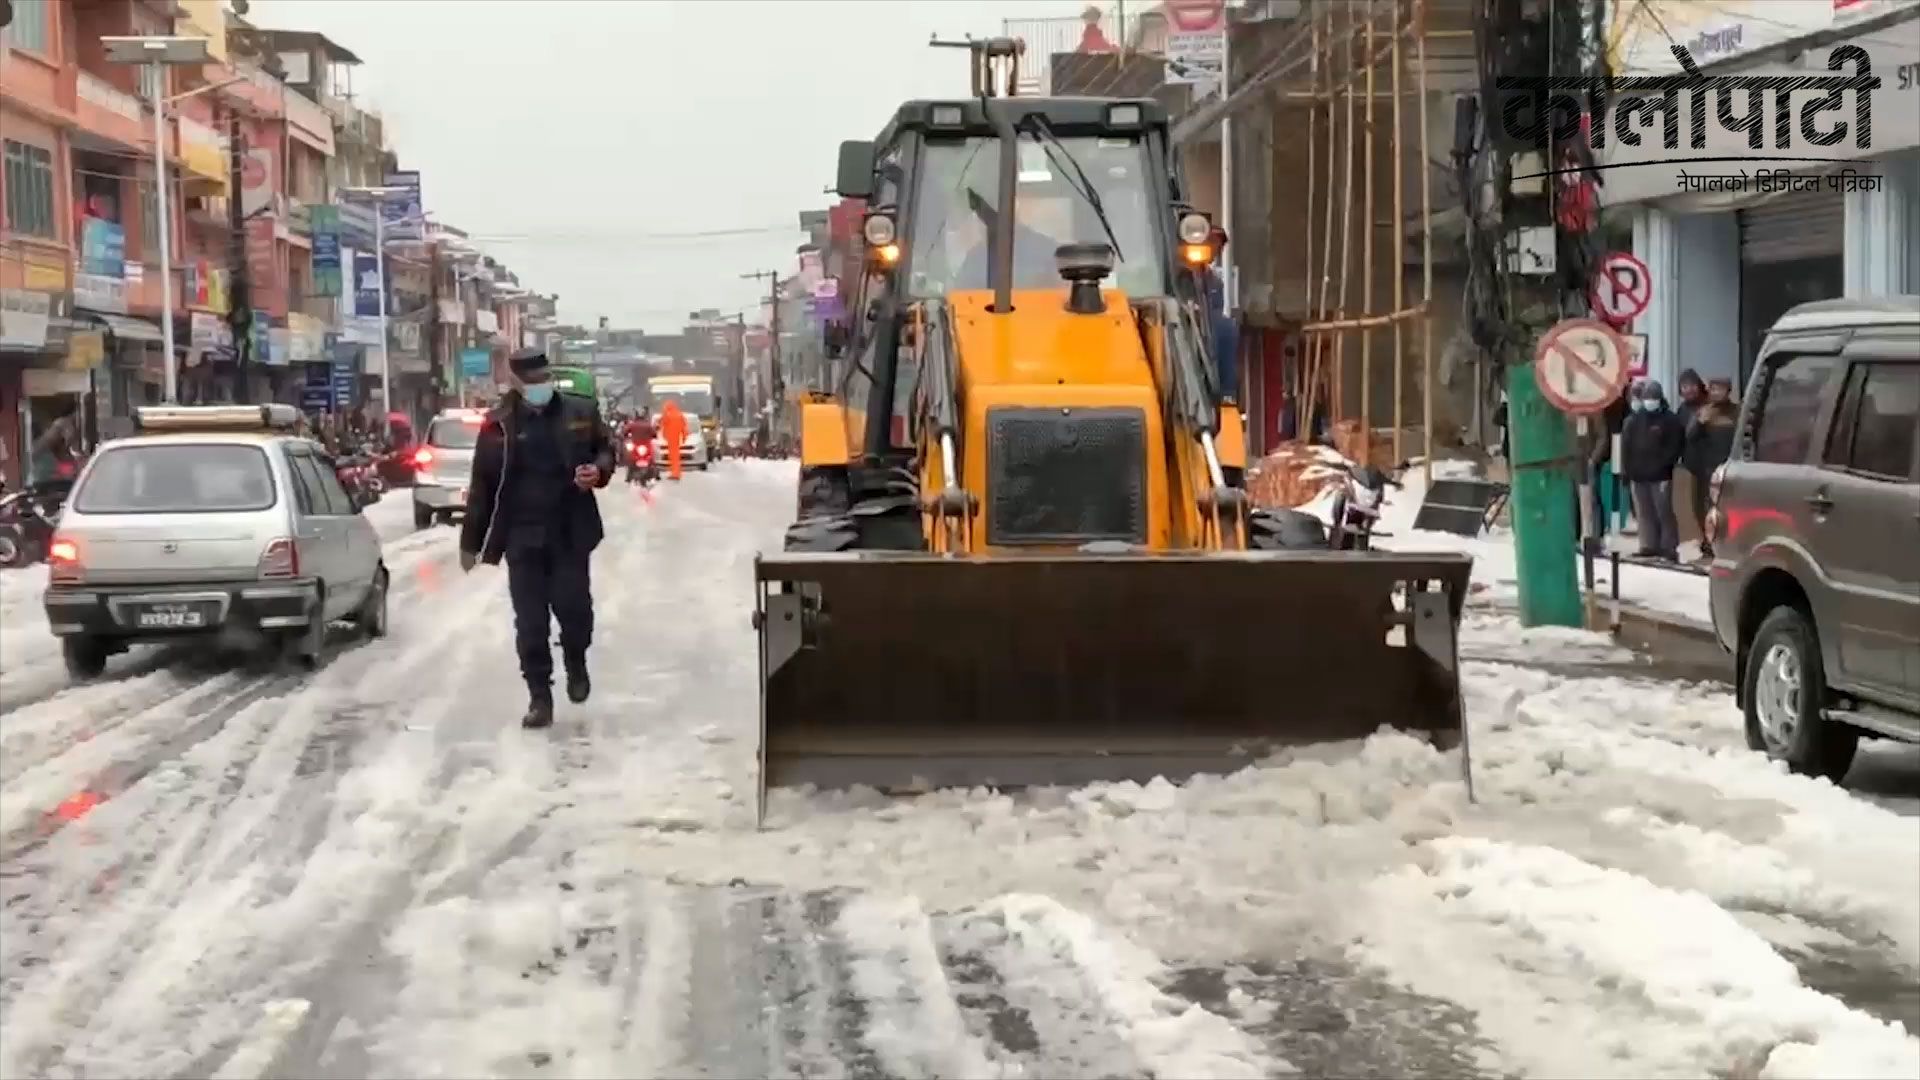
{"x":1650,"y":446}
{"x":1709,"y":438}
{"x":583,"y":440}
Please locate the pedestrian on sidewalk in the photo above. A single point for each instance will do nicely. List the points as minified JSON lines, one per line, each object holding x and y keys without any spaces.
{"x":1709,"y":443}
{"x":538,"y":459}
{"x":1650,"y":449}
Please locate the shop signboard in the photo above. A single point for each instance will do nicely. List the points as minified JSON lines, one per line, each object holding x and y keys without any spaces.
{"x":316,"y":393}
{"x":1642,"y":36}
{"x":262,"y":341}
{"x":345,"y":367}
{"x":402,"y":211}
{"x":1196,"y":43}
{"x":85,"y":349}
{"x":306,"y":338}
{"x":103,"y":248}
{"x":257,"y":184}
{"x":279,"y":346}
{"x":100,"y":292}
{"x":476,"y":362}
{"x":366,"y":283}
{"x":203,"y":329}
{"x":24,"y":315}
{"x":324,"y":226}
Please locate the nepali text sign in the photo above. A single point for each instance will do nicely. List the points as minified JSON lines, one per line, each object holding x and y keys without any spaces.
{"x":1795,"y":115}
{"x":24,"y":316}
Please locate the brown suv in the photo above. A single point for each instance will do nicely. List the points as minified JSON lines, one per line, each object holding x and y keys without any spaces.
{"x":1816,"y":534}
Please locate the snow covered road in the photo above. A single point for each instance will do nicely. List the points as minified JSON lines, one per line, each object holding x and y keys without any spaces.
{"x":371,"y":871}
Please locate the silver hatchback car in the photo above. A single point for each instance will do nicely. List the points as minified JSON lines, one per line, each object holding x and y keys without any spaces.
{"x":443,"y":466}
{"x":213,"y":522}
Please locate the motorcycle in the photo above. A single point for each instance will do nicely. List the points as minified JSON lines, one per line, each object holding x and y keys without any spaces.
{"x":640,"y":463}
{"x":27,"y":520}
{"x":1357,"y":506}
{"x":360,"y":475}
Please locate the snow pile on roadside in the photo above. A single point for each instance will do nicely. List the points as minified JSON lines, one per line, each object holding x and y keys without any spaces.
{"x":1669,"y":976}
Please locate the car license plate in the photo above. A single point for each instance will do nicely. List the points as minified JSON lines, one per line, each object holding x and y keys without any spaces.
{"x":171,"y":617}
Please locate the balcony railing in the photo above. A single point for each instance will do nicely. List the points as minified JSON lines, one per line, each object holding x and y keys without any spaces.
{"x":97,"y":91}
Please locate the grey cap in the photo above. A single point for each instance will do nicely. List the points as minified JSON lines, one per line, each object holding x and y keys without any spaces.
{"x":527,"y":360}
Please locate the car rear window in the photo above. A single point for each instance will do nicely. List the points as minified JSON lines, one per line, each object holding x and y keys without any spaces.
{"x":454,"y":434}
{"x":179,"y":478}
{"x":1789,"y":408}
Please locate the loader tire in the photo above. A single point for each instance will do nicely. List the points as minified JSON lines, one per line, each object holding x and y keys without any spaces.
{"x":824,"y":492}
{"x":1285,"y":530}
{"x":818,"y":534}
{"x":890,"y":523}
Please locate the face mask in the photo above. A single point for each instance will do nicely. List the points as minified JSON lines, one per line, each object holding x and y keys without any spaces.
{"x":1645,"y":405}
{"x":537,"y":394}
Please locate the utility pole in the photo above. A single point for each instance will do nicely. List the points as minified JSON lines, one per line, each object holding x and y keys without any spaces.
{"x":239,"y":281}
{"x":777,"y":383}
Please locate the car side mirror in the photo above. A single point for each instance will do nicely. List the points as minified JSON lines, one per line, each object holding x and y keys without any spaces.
{"x":854,"y":179}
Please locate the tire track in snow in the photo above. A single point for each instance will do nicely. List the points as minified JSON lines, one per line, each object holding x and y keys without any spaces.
{"x":190,"y":817}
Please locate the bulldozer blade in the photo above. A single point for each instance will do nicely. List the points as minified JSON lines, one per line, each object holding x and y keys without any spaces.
{"x":907,"y":672}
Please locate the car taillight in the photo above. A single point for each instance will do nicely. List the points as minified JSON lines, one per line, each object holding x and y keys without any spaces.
{"x":63,"y":559}
{"x":422,"y":458}
{"x":281,"y":559}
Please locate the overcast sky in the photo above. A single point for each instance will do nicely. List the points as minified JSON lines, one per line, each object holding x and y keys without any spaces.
{"x":561,"y":133}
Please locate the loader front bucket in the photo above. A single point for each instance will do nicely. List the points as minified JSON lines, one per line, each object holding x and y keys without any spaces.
{"x":907,"y":672}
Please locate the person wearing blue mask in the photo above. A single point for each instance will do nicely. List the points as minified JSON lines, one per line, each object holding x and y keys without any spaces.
{"x":538,"y":459}
{"x":1650,"y":449}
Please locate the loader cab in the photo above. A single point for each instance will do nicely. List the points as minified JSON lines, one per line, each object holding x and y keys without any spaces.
{"x":932,"y":182}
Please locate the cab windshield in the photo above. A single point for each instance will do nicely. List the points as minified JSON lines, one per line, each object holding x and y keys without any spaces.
{"x":692,"y":400}
{"x":954,"y":210}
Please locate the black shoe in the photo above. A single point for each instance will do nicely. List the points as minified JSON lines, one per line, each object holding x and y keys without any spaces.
{"x":579,"y":687}
{"x":539,"y":713}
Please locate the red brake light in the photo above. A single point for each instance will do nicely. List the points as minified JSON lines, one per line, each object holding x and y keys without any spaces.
{"x":423,"y":457}
{"x":281,"y":559}
{"x":63,"y":559}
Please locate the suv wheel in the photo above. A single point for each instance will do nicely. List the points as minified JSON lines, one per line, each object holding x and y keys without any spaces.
{"x":372,"y":616}
{"x":422,"y":516}
{"x":86,"y":657}
{"x":300,"y":649}
{"x":1785,"y":691}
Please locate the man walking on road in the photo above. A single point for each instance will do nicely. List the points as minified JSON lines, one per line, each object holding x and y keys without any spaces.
{"x":673,"y":432}
{"x":539,"y":457}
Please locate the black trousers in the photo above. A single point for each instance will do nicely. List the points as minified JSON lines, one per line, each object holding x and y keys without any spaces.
{"x":549,"y":584}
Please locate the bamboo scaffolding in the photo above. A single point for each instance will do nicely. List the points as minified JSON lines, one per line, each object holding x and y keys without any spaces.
{"x":1346,"y":225}
{"x":1365,"y":322}
{"x":1426,"y":239}
{"x":1399,"y":257}
{"x":1370,"y":233}
{"x":1322,"y":348}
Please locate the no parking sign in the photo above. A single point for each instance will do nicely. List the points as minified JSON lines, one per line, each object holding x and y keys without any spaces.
{"x":1621,"y":288}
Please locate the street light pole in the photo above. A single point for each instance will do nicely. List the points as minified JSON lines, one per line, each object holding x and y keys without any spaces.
{"x":158,"y":83}
{"x":380,"y":268}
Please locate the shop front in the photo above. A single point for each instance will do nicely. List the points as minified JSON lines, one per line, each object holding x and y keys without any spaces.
{"x":1739,"y":224}
{"x":26,"y":320}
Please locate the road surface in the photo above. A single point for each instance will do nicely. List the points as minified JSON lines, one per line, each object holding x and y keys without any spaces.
{"x":210,"y":870}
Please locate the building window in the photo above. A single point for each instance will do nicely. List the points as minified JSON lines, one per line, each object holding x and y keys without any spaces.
{"x":29,"y":28}
{"x":29,"y":189}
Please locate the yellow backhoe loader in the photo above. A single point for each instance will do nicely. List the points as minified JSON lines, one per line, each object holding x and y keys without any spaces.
{"x":1023,"y":554}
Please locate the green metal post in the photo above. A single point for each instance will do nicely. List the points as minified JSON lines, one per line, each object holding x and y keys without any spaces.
{"x":1542,"y":504}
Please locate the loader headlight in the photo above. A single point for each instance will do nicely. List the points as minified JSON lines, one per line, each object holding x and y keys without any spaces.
{"x":1195,"y":227}
{"x":1123,"y":116}
{"x":1084,"y":262}
{"x":878,"y":229}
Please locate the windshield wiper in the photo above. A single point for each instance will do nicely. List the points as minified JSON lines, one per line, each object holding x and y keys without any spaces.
{"x":1064,"y":160}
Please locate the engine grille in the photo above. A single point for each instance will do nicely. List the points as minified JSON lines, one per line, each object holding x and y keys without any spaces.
{"x":1066,"y":476}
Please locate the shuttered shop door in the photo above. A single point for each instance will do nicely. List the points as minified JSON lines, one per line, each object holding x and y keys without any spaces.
{"x":1802,"y":225}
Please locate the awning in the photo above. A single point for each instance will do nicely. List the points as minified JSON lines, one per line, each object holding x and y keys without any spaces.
{"x":126,"y":327}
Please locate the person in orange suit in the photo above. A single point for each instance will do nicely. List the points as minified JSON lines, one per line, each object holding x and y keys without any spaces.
{"x":673,"y":432}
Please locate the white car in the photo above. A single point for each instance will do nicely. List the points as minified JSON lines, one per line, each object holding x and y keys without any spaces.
{"x":693,"y":449}
{"x":443,"y":466}
{"x":214,"y":522}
